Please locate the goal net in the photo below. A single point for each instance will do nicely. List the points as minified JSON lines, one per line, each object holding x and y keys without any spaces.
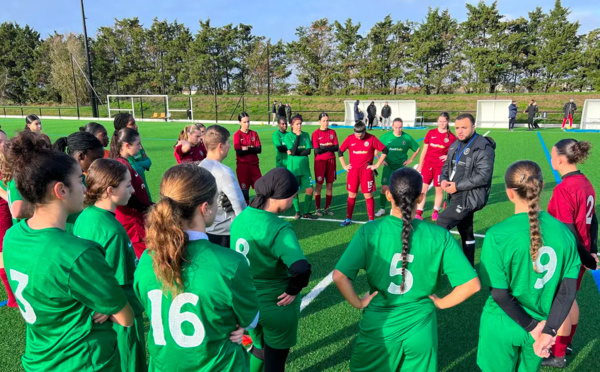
{"x":590,"y":117}
{"x":492,"y":113}
{"x":404,"y":109}
{"x":159,"y":107}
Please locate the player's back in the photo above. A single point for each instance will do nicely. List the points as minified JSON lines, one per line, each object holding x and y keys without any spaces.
{"x":506,"y":262}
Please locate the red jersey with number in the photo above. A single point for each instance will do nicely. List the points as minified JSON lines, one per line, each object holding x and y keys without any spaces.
{"x":361,"y":151}
{"x":131,"y":218}
{"x":196,"y":153}
{"x":250,"y":139}
{"x":574,"y":201}
{"x":324,"y":138}
{"x":438,"y":145}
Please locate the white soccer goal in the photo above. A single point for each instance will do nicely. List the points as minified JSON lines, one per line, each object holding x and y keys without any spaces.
{"x":404,"y":109}
{"x":492,"y":113}
{"x":590,"y":117}
{"x":157,"y":106}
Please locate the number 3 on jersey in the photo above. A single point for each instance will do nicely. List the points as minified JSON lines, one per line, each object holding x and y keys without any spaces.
{"x":549,"y":267}
{"x":176,"y":320}
{"x":27,"y":310}
{"x":396,"y":269}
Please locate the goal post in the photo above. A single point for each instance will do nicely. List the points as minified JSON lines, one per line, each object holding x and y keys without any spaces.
{"x":404,"y":109}
{"x":492,"y":113}
{"x":151,"y":106}
{"x":590,"y":116}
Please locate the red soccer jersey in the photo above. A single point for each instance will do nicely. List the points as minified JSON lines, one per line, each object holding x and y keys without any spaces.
{"x":133,"y":219}
{"x":362,"y":151}
{"x":250,"y":139}
{"x":574,"y":201}
{"x":438,"y":145}
{"x":325,"y":138}
{"x":196,"y":153}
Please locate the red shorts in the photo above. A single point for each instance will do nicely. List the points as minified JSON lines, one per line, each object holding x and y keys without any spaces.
{"x":247,"y":174}
{"x":363,"y":177}
{"x":325,"y":171}
{"x":431,"y":174}
{"x":580,"y":276}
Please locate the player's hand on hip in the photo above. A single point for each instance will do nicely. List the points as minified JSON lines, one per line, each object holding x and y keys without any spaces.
{"x":347,"y":167}
{"x":407,"y":162}
{"x":435,"y":300}
{"x":537,"y":331}
{"x":385,"y":163}
{"x":372,"y":167}
{"x":443,"y":157}
{"x":285,"y":299}
{"x":543,"y":345}
{"x":100,"y":318}
{"x":289,"y":152}
{"x":366,"y":299}
{"x":237,"y":335}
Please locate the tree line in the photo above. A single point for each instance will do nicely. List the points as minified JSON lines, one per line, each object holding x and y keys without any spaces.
{"x":542,"y":52}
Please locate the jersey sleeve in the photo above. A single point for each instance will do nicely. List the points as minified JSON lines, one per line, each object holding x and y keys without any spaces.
{"x":91,"y":282}
{"x":143,"y":160}
{"x":455,"y":264}
{"x":427,"y":139}
{"x":276,"y":139}
{"x":287,"y":247}
{"x":257,"y":141}
{"x":353,"y":259}
{"x":231,"y":188}
{"x":116,"y":256}
{"x":572,"y":260}
{"x":309,"y":144}
{"x":178,"y":153}
{"x":13,"y":194}
{"x":315,"y":140}
{"x":377,"y":144}
{"x":289,"y":140}
{"x":491,"y":268}
{"x":243,"y":295}
{"x":344,"y":145}
{"x":561,"y":206}
{"x":236,"y":141}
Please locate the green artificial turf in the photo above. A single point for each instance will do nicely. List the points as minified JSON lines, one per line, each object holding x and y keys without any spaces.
{"x":329,"y":325}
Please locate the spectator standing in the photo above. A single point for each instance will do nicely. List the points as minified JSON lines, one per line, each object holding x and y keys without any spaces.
{"x":531,"y":110}
{"x":357,"y":112}
{"x":281,"y":110}
{"x":386,"y":113}
{"x":569,"y":110}
{"x":274,"y":112}
{"x":371,"y":114}
{"x":512,"y":115}
{"x":288,"y":111}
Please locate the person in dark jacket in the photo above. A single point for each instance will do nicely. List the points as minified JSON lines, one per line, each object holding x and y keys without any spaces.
{"x":531,"y":110}
{"x":386,"y":112}
{"x":274,"y":112}
{"x":288,"y":111}
{"x":467,"y":178}
{"x":356,"y":111}
{"x":281,"y":110}
{"x":569,"y":110}
{"x":360,"y":115}
{"x":371,"y":113}
{"x":512,"y":115}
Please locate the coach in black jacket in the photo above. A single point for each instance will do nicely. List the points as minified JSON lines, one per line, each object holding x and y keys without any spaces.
{"x":467,"y":178}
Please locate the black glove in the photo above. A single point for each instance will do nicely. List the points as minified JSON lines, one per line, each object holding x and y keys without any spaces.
{"x":225,"y":203}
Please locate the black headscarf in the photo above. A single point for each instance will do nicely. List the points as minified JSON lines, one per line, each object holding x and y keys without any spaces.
{"x":278,"y":183}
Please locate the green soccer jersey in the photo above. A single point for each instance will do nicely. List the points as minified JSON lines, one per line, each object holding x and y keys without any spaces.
{"x":270,"y":246}
{"x":506,"y":262}
{"x":280,"y":157}
{"x":72,"y":218}
{"x":190,"y":331}
{"x":59,"y":281}
{"x":298,"y":165}
{"x":141,"y":163}
{"x":13,"y":196}
{"x":376,"y":248}
{"x":398,"y":148}
{"x":102,"y":227}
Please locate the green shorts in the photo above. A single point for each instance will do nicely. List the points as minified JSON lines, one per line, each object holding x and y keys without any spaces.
{"x":305,"y":182}
{"x":132,"y":345}
{"x":504,"y":345}
{"x":418,"y":352}
{"x":387,"y":174}
{"x":277,"y":325}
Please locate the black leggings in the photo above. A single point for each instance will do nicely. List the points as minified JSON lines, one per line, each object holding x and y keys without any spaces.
{"x":274,"y":359}
{"x":463,"y":220}
{"x":370,"y":120}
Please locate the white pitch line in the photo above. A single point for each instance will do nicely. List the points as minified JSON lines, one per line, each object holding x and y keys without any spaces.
{"x":486,"y":133}
{"x":306,"y":300}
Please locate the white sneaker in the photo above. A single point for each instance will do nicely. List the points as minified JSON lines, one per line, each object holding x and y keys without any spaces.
{"x":380,"y":213}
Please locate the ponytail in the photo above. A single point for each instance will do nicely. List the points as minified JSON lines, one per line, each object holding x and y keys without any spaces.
{"x":575,"y":151}
{"x":125,"y":135}
{"x":183,"y":188}
{"x":525,"y":178}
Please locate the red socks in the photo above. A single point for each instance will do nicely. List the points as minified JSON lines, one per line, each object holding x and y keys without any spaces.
{"x":328,"y":201}
{"x":11,"y":298}
{"x":318,"y":201}
{"x":573,"y":328}
{"x":419,"y":212}
{"x":371,"y":208}
{"x":560,"y":347}
{"x":350,"y":207}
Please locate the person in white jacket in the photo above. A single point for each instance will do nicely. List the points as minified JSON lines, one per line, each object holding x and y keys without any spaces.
{"x":231,"y":200}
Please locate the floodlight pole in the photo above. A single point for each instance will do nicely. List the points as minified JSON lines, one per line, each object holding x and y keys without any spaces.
{"x":268,"y":84}
{"x":89,"y":64}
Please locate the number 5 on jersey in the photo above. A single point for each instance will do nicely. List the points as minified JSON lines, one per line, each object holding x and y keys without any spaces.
{"x":396,"y":269}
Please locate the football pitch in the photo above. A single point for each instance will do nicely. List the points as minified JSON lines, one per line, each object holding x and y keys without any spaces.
{"x":328,"y":324}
